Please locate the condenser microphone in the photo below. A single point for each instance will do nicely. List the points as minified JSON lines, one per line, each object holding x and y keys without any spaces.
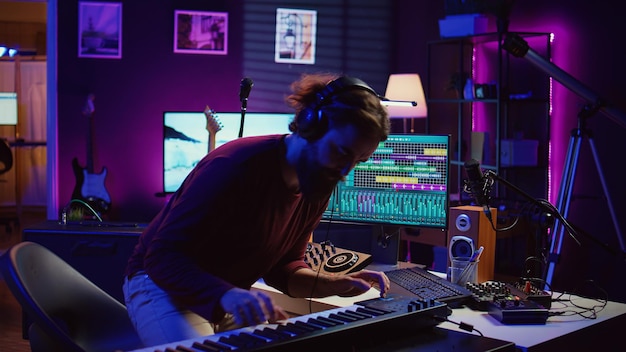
{"x":478,"y":185}
{"x":244,"y":92}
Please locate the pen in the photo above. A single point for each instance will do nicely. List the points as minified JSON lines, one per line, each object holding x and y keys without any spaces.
{"x":477,"y":254}
{"x":473,"y":260}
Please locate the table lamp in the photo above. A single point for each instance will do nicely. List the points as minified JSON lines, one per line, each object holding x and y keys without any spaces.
{"x":405,"y":97}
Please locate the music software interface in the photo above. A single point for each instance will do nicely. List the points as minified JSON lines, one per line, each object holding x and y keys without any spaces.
{"x":405,"y":182}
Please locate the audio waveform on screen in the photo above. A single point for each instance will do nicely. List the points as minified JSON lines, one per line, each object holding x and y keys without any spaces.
{"x":404,"y":182}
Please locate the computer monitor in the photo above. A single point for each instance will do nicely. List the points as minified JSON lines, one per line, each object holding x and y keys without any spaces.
{"x":8,"y":108}
{"x":404,"y":183}
{"x":186,"y":138}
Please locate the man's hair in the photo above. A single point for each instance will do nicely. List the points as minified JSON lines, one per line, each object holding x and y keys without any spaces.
{"x":328,"y":100}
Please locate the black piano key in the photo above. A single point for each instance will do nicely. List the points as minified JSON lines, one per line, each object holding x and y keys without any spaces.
{"x":218,"y":345}
{"x":307,"y":326}
{"x":252,"y":339}
{"x":204,"y":347}
{"x":341,"y":317}
{"x":234,"y":340}
{"x":321,"y":323}
{"x":271,"y":334}
{"x":349,"y":314}
{"x":335,"y":322}
{"x":291,"y":327}
{"x":357,"y":315}
{"x":372,"y":311}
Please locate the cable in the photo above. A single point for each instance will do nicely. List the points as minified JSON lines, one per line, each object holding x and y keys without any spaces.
{"x":463,"y":326}
{"x":319,"y":269}
{"x":85,"y":204}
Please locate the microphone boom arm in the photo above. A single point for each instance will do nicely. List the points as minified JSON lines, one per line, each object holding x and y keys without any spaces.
{"x":551,"y":210}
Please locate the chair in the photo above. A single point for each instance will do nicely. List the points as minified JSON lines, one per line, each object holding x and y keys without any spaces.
{"x":68,"y":312}
{"x":6,"y":163}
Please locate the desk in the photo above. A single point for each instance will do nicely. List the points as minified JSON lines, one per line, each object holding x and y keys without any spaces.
{"x":560,"y":333}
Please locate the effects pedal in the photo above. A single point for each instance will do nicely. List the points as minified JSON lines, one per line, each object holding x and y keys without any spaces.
{"x":332,"y":260}
{"x":533,"y":293}
{"x":517,"y":311}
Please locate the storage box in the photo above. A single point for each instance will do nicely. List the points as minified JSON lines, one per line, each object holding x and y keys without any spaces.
{"x":518,"y":152}
{"x":463,"y":25}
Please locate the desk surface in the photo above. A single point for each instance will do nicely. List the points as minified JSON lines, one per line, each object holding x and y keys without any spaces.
{"x":560,"y":332}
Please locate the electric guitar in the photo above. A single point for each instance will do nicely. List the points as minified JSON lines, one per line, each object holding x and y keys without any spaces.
{"x":213,"y":125}
{"x":90,"y":185}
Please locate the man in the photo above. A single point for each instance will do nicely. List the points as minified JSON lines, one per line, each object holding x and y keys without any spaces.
{"x":246,"y":212}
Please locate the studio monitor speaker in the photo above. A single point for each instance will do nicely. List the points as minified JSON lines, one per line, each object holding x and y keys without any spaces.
{"x":469,"y":229}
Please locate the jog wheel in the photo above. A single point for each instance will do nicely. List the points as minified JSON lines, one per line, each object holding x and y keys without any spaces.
{"x":341,"y":262}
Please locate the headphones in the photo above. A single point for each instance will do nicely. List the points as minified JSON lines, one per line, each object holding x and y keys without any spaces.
{"x":312,"y":121}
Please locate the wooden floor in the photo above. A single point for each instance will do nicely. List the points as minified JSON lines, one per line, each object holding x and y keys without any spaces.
{"x":10,"y":312}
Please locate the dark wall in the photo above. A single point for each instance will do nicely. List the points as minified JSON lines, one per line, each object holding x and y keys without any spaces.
{"x":365,"y":38}
{"x":133,"y":92}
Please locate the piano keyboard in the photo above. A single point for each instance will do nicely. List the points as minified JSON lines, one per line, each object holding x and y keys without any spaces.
{"x":363,"y":323}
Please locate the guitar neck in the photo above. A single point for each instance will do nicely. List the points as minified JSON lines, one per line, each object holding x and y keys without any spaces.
{"x":213,"y":125}
{"x":89,"y":157}
{"x":211,"y":141}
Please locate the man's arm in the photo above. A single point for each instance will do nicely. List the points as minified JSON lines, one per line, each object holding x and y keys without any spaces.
{"x":305,"y":283}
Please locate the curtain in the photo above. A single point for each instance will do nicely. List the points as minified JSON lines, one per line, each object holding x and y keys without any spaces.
{"x":25,"y":183}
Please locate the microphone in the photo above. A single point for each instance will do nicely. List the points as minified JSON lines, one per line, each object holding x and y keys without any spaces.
{"x":244,"y":90}
{"x":477,"y":185}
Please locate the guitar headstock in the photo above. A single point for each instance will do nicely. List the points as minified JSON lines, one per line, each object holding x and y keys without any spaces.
{"x":89,"y":107}
{"x":213,"y":124}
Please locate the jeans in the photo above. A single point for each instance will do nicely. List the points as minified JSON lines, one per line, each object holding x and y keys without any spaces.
{"x":158,"y":320}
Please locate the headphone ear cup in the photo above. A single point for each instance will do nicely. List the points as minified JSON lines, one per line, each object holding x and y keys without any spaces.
{"x":312,"y":123}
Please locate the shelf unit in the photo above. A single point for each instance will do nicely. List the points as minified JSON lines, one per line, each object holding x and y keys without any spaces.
{"x":512,"y":109}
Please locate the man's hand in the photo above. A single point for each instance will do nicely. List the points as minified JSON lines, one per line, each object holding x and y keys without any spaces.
{"x":251,"y":307}
{"x":360,"y":282}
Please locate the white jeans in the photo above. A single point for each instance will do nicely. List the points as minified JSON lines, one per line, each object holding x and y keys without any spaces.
{"x":158,"y":320}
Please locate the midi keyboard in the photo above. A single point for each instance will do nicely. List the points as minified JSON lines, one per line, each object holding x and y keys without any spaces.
{"x":361,"y":325}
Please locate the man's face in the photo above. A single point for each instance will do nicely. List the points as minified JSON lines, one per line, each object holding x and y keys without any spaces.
{"x":326,"y":161}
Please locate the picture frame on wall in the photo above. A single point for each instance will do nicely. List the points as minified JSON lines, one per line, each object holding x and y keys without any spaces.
{"x":295,"y":36}
{"x":100,"y":29}
{"x":200,"y":32}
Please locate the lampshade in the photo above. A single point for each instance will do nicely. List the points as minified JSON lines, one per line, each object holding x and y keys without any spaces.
{"x":405,"y":87}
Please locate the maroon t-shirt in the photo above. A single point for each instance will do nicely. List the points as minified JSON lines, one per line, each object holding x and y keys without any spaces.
{"x":232,"y":222}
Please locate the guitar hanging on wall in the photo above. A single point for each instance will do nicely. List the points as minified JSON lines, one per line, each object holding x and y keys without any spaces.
{"x":90,"y":185}
{"x":213,"y":125}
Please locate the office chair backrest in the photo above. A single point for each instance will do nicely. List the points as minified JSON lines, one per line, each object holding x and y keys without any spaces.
{"x":6,"y":157}
{"x":69,"y":312}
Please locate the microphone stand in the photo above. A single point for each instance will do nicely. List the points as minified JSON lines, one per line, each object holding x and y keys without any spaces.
{"x":551,"y":211}
{"x":244,"y":104}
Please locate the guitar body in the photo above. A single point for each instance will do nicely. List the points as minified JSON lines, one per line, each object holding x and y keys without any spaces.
{"x":90,"y":188}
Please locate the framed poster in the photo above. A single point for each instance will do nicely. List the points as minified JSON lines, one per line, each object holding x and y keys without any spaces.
{"x":295,"y":36}
{"x":199,"y":32}
{"x":100,"y":29}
